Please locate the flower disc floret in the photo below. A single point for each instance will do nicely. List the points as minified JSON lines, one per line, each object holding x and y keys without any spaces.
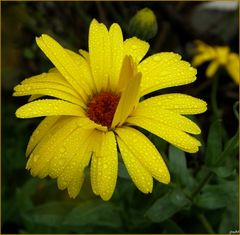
{"x":102,"y":107}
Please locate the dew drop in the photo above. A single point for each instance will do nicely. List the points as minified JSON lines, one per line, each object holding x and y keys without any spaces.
{"x":35,"y":157}
{"x":134,"y":47}
{"x":157,"y":58}
{"x":62,"y":150}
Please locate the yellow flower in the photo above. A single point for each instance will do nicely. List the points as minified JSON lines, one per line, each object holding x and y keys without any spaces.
{"x":97,"y":109}
{"x":219,"y":56}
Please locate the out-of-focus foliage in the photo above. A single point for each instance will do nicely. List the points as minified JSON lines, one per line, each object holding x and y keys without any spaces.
{"x":203,"y":194}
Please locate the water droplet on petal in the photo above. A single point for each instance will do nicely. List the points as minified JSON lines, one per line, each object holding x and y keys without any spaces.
{"x":62,"y":150}
{"x":134,"y":47}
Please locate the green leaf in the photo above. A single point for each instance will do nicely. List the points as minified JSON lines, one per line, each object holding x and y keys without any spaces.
{"x":178,"y":167}
{"x":227,"y":159}
{"x":171,"y":227}
{"x":230,"y":217}
{"x":223,"y":171}
{"x":214,"y":143}
{"x":49,"y":214}
{"x":167,"y":206}
{"x":212,"y":197}
{"x":74,"y":215}
{"x":218,"y":196}
{"x":94,"y":212}
{"x":231,"y":148}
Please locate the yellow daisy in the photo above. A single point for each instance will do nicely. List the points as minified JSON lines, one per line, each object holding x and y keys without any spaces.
{"x":219,"y":56}
{"x":97,"y":110}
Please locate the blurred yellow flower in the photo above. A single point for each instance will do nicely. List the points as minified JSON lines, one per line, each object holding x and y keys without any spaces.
{"x":219,"y":56}
{"x":96,"y":108}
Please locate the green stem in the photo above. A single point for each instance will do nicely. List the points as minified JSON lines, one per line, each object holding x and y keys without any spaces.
{"x":205,"y":223}
{"x":201,"y":184}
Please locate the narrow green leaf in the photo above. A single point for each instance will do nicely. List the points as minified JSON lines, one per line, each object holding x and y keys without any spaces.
{"x":95,"y":213}
{"x":231,"y":148}
{"x":167,"y":206}
{"x":214,"y":143}
{"x":178,"y":167}
{"x":212,"y":197}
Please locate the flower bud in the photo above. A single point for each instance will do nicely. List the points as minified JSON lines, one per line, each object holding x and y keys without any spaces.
{"x":143,"y":24}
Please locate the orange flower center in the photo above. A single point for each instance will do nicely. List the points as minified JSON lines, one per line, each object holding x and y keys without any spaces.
{"x":102,"y":107}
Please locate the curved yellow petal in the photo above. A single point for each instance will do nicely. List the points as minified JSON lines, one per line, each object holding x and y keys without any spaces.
{"x":64,"y":63}
{"x":130,"y":93}
{"x":108,"y":167}
{"x":212,"y":68}
{"x":85,"y":54}
{"x":201,"y":58}
{"x":232,"y":66}
{"x":49,"y":89}
{"x":140,"y":176}
{"x":164,"y":70}
{"x":84,"y":66}
{"x":174,"y":136}
{"x":41,"y":130}
{"x":52,"y":76}
{"x":116,"y":45}
{"x":176,"y":102}
{"x":99,"y":54}
{"x":95,"y":145}
{"x":167,"y":118}
{"x":136,"y":48}
{"x":49,"y":107}
{"x":70,"y":172}
{"x":69,"y":154}
{"x":43,"y":152}
{"x":145,"y":152}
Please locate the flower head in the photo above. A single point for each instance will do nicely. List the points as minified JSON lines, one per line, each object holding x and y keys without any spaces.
{"x":96,"y":111}
{"x":219,"y":56}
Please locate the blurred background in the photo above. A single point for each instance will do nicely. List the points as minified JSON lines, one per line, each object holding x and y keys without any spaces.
{"x":203,"y":194}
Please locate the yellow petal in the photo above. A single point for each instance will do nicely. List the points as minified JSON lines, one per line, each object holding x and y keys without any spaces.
{"x":64,"y":63}
{"x":52,"y":76}
{"x":136,"y":48}
{"x":95,"y":145}
{"x":40,"y":132}
{"x":167,"y":118}
{"x":126,"y":74}
{"x":129,"y":96}
{"x":70,"y":164}
{"x":140,"y":176}
{"x":69,"y":154}
{"x":174,"y":136}
{"x":85,"y":54}
{"x":116,"y":45}
{"x":99,"y":54}
{"x":212,"y":68}
{"x":94,"y":174}
{"x":164,"y":70}
{"x":49,"y":89}
{"x":176,"y":102}
{"x":49,"y":144}
{"x":49,"y":107}
{"x":108,"y":167}
{"x":145,"y":152}
{"x":201,"y":58}
{"x":232,"y":66}
{"x":84,"y":66}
